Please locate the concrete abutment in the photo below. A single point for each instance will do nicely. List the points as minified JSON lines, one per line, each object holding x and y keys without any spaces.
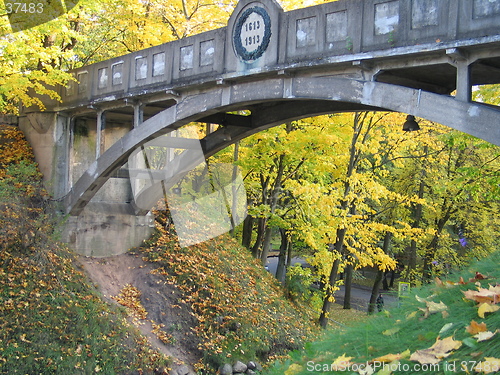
{"x":64,"y":147}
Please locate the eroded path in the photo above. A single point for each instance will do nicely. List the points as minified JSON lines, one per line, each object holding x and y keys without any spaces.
{"x":161,"y":300}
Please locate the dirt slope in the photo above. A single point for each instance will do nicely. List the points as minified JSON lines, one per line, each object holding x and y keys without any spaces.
{"x":160,"y":299}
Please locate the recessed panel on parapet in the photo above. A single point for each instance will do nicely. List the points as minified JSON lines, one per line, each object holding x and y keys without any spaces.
{"x":204,"y":200}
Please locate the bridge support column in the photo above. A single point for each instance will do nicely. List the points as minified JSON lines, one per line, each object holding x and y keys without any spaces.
{"x":464,"y":85}
{"x":100,"y":123}
{"x":138,"y":114}
{"x":48,"y":135}
{"x":462,"y":63}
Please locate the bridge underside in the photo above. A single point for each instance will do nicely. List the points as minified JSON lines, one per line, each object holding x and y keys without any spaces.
{"x":272,"y":102}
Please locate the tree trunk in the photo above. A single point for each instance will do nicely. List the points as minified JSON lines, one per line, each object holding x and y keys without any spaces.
{"x":375,"y":291}
{"x":266,"y":244}
{"x":234,"y":190}
{"x":246,"y":236}
{"x":261,"y":226}
{"x":347,"y":285}
{"x":280,"y":270}
{"x":429,"y":257}
{"x":379,"y":276}
{"x":48,"y":42}
{"x":393,"y":277}
{"x":412,"y":256}
{"x":385,"y":285}
{"x":289,"y":254}
{"x":273,"y":204}
{"x":323,"y":319}
{"x":433,"y":245}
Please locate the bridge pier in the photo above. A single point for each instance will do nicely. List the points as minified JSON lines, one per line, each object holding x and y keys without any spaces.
{"x":64,"y":147}
{"x":463,"y":64}
{"x":106,"y":229}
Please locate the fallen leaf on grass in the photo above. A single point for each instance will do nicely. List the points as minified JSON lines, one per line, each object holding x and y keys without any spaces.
{"x":436,"y":307}
{"x":461,"y":281}
{"x":433,"y":307}
{"x":420,"y":299}
{"x":486,"y":308}
{"x":480,"y":276}
{"x":446,"y":283}
{"x":411,"y":315}
{"x":475,"y":327}
{"x":368,"y":370}
{"x":293,"y":369}
{"x":445,"y":328}
{"x":341,"y":363}
{"x":483,"y":336}
{"x":441,"y":349}
{"x":388,"y":369}
{"x":488,"y":366}
{"x":391,"y":331}
{"x":391,"y":357}
{"x":483,"y":295}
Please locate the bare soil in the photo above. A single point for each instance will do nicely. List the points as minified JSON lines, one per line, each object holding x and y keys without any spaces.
{"x":161,"y":300}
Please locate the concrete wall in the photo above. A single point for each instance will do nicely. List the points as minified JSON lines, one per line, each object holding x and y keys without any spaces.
{"x":339,"y":28}
{"x":48,"y":134}
{"x":104,"y":229}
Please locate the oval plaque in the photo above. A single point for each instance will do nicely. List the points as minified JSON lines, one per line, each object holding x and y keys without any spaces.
{"x":252,"y":34}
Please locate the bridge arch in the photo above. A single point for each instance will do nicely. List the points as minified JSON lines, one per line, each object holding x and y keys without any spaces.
{"x":278,"y":100}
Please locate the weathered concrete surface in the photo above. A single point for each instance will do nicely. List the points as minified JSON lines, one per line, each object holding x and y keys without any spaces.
{"x":388,"y":37}
{"x":106,"y":229}
{"x":49,"y":137}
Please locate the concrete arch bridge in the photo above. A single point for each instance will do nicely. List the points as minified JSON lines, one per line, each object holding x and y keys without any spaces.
{"x":349,"y":55}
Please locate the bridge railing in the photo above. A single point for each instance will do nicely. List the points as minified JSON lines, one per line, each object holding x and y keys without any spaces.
{"x":327,"y":33}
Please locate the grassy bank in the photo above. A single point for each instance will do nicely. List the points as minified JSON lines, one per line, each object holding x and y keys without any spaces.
{"x":241,"y":310}
{"x":442,"y":328}
{"x":52,"y":320}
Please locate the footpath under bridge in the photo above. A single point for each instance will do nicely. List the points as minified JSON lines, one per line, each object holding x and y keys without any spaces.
{"x":348,"y":55}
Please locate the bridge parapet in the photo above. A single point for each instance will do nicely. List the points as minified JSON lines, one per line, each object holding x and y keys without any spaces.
{"x":340,"y":31}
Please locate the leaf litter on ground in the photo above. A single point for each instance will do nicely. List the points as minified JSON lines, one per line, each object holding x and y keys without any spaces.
{"x":475,"y":343}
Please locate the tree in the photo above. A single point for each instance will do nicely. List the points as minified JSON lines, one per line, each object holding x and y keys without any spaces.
{"x":449,"y":174}
{"x":355,"y":237}
{"x":470,"y":174}
{"x":35,"y":60}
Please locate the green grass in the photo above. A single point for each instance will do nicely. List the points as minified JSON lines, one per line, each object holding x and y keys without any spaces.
{"x":410,"y":330}
{"x":53,"y":322}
